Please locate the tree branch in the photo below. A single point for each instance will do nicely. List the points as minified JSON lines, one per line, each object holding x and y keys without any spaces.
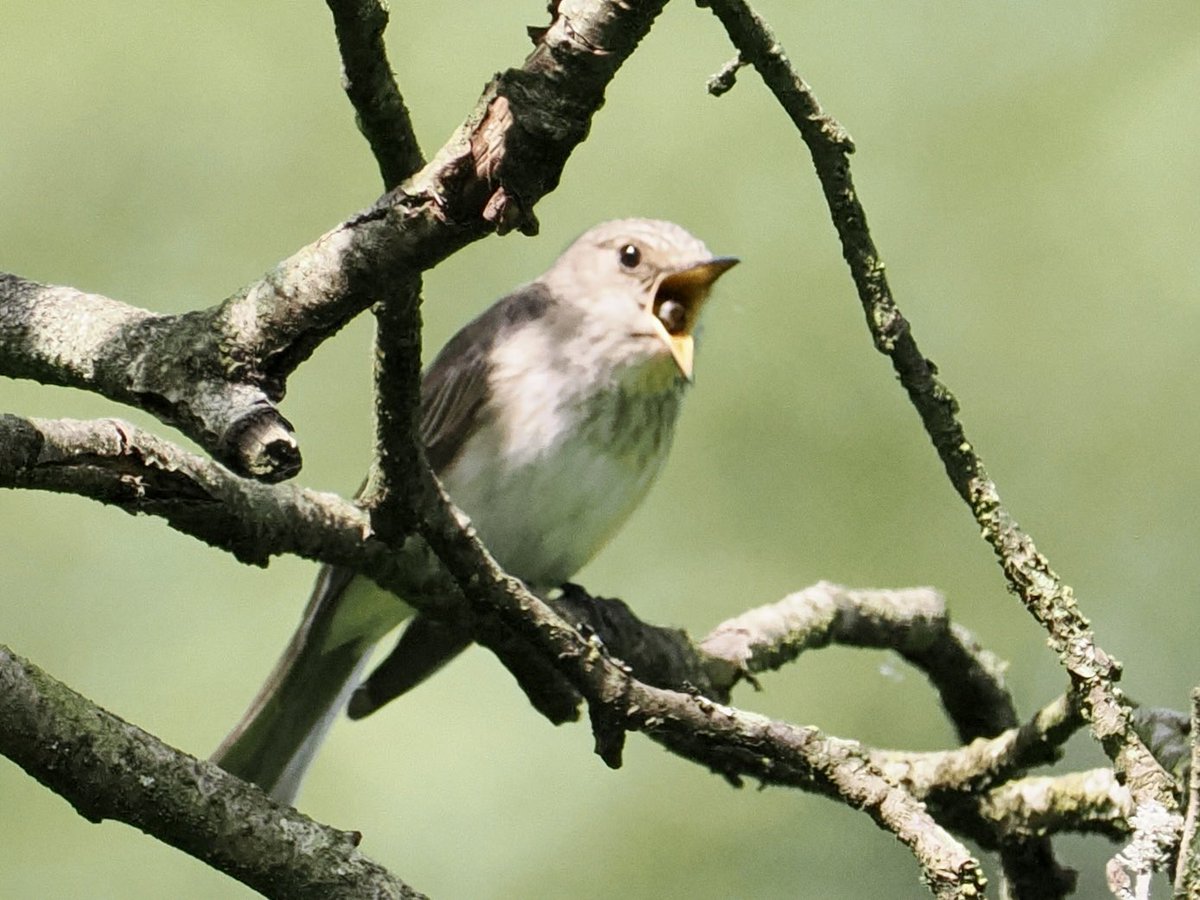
{"x":724,"y":739}
{"x":913,"y":622}
{"x":367,"y":77}
{"x":109,"y":769}
{"x":217,"y":374}
{"x":1092,"y":802}
{"x":121,"y":465}
{"x":1093,"y":672}
{"x":985,"y":761}
{"x":1187,"y":866}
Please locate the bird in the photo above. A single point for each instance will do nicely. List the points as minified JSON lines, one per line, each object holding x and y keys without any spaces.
{"x":546,"y":418}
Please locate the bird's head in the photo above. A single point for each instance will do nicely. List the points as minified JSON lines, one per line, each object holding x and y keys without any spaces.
{"x":643,"y":282}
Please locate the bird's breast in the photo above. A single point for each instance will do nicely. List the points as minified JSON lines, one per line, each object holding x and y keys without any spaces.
{"x":551,"y":474}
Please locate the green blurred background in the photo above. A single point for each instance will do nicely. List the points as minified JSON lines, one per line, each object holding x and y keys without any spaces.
{"x":1031,"y":178}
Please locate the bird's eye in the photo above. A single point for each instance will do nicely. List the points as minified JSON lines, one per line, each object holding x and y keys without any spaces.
{"x":673,"y":315}
{"x":630,"y":256}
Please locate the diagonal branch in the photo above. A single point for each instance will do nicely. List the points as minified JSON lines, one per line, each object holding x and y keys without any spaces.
{"x":1093,"y":672}
{"x":109,"y":769}
{"x":117,"y":463}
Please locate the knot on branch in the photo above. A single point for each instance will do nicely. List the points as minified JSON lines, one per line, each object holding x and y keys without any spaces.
{"x":261,"y":444}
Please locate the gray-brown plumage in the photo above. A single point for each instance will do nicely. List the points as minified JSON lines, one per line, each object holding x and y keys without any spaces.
{"x":546,"y":418}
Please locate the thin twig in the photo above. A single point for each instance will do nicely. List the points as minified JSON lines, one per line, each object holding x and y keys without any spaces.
{"x":1093,"y":672}
{"x":985,"y":761}
{"x":217,"y":374}
{"x":395,"y":481}
{"x":384,"y":120}
{"x":371,"y":86}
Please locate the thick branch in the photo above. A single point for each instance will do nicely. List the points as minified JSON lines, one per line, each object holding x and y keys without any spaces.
{"x":216,"y":374}
{"x":109,"y":769}
{"x":118,"y":464}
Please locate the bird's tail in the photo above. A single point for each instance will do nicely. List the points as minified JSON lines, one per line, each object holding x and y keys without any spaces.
{"x":280,"y":733}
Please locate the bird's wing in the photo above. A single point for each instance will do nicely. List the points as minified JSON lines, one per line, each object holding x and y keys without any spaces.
{"x":455,"y":389}
{"x":278,"y":736}
{"x":453,"y":394}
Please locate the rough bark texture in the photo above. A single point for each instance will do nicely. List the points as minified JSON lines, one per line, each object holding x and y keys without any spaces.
{"x":109,"y":769}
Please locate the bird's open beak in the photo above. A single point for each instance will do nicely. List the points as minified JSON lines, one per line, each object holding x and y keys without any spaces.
{"x":676,"y":306}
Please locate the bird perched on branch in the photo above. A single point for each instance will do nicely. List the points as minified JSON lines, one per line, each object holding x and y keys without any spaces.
{"x":546,"y":418}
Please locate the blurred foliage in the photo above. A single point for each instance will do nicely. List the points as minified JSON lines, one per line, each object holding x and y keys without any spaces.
{"x":1031,"y":179}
